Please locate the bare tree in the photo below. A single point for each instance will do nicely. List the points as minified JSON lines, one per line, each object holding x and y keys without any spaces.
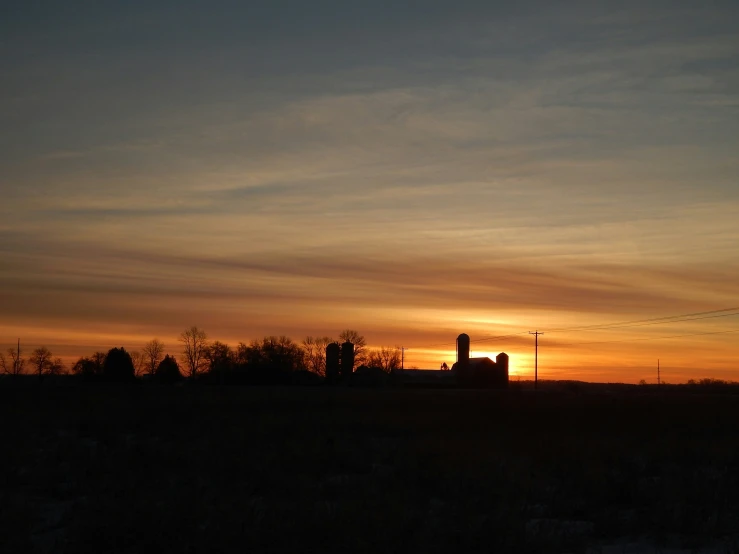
{"x":386,"y":358}
{"x":41,"y":361}
{"x":140,"y":362}
{"x":153,"y":352}
{"x":195,"y":354}
{"x":15,"y":365}
{"x":360,"y":345}
{"x":4,"y":365}
{"x":56,"y":367}
{"x":274,"y":357}
{"x":315,"y":353}
{"x":220,"y":357}
{"x":98,"y":358}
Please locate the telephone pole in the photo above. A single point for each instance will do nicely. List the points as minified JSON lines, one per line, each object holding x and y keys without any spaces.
{"x":658,"y":380}
{"x":402,"y":357}
{"x":536,"y":357}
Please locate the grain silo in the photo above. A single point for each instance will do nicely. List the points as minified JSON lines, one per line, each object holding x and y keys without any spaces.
{"x":501,"y":361}
{"x":347,"y":359}
{"x":463,"y":348}
{"x":333,"y":353}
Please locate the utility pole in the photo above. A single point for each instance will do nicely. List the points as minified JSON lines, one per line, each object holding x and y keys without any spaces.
{"x":658,"y":380}
{"x":16,"y":369}
{"x":536,"y":357}
{"x":402,"y":357}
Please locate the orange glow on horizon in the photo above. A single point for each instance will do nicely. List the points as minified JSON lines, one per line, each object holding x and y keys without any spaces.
{"x":613,"y":355}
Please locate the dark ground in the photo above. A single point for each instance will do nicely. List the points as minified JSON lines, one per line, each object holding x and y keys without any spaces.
{"x":209,"y":469}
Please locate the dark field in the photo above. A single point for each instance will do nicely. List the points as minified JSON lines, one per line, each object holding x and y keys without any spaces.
{"x":208,"y":469}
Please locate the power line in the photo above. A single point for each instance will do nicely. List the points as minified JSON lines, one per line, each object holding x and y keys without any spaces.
{"x":652,"y":321}
{"x":661,"y":318}
{"x":623,"y":326}
{"x":499,"y":337}
{"x":649,"y":338}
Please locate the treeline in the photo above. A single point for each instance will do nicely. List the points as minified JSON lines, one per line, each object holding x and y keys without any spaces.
{"x":270,"y":360}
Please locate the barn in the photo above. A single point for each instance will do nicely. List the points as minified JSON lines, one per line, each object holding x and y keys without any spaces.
{"x":479,"y":372}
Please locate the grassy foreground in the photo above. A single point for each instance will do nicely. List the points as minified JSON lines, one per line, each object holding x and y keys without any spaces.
{"x":209,"y":469}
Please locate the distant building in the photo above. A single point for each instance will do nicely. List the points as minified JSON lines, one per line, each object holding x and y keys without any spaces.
{"x":347,"y":360}
{"x":466,"y":372}
{"x":333,"y":357}
{"x":339,"y":362}
{"x":479,"y":372}
{"x":424,"y":378}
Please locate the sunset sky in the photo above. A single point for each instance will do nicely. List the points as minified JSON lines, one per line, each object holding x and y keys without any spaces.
{"x":411,"y":170}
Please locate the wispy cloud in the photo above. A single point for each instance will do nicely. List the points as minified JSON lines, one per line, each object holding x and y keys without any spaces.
{"x":269,"y":173}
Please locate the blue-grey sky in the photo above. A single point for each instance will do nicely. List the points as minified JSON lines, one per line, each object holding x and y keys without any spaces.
{"x":410,"y":169}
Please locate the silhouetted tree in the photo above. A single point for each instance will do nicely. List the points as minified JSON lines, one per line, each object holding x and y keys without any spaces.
{"x":87,"y":368}
{"x":168,"y":371}
{"x":281,"y":352}
{"x":221,"y":358}
{"x":386,"y":358}
{"x":152,"y":352}
{"x":41,"y":361}
{"x":99,"y":359}
{"x":194,"y":356}
{"x":118,"y":365}
{"x":56,"y":367}
{"x":91,"y":367}
{"x":15,"y":363}
{"x":5,"y":366}
{"x":360,"y":346}
{"x":711,"y":383}
{"x":270,"y":360}
{"x":314,"y":351}
{"x":707,"y":382}
{"x":139,"y":363}
{"x":242,"y":354}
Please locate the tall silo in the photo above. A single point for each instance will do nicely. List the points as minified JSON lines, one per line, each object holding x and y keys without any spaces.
{"x":501,"y":361}
{"x":347,"y":359}
{"x":333,"y":353}
{"x":463,"y":349}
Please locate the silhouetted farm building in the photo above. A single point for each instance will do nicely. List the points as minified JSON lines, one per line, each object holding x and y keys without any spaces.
{"x":333,"y":357}
{"x":339,"y":362}
{"x":347,"y":360}
{"x":479,"y":372}
{"x":466,"y":372}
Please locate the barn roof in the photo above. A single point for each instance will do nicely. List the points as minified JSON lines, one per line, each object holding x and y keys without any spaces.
{"x":482,"y":360}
